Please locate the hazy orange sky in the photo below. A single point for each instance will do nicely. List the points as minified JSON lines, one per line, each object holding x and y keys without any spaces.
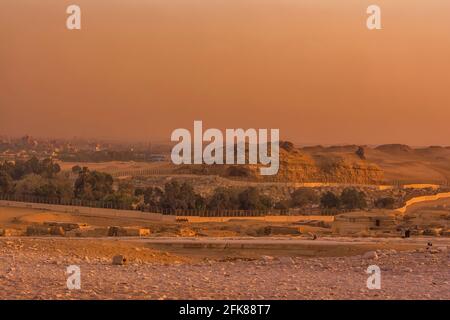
{"x":139,"y":69}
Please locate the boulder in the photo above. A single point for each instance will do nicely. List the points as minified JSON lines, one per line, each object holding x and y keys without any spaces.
{"x":38,"y":230}
{"x":119,"y":260}
{"x":432,"y":232}
{"x":66,"y":226}
{"x":10,"y":232}
{"x":286,"y":260}
{"x":278,"y":230}
{"x":370,"y":255}
{"x":57,"y":231}
{"x":442,"y":249}
{"x":116,"y":231}
{"x":128,"y":232}
{"x":137,"y":232}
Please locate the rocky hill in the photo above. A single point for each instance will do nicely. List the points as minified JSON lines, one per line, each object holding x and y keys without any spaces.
{"x":299,"y":166}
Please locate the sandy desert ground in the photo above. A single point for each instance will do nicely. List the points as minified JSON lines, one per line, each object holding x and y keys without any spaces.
{"x":217,"y":260}
{"x":36,"y":269}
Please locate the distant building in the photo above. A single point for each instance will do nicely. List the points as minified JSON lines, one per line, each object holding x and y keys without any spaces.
{"x":368,"y":223}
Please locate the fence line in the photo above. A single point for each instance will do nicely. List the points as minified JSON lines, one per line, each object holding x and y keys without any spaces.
{"x":168,"y":211}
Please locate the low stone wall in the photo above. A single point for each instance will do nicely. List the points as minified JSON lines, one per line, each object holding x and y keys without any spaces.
{"x":423,"y":199}
{"x":89,"y":211}
{"x":267,"y":218}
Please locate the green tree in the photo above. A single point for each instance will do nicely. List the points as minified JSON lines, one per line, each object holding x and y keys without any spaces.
{"x":239,"y":171}
{"x":329,"y":200}
{"x":47,"y":190}
{"x":17,"y":170}
{"x":93,"y":185}
{"x":304,"y":196}
{"x":251,"y":199}
{"x":181,"y":196}
{"x":282,"y":205}
{"x":76,"y":169}
{"x":152,"y":196}
{"x":353,"y":199}
{"x":361,"y":153}
{"x":385,"y":203}
{"x":36,"y":185}
{"x":28,"y":185}
{"x":48,"y":168}
{"x":6,"y":183}
{"x":224,"y":199}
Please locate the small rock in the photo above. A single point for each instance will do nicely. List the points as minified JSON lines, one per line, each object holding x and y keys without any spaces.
{"x":285,"y":260}
{"x":119,"y":260}
{"x":442,"y":249}
{"x":370,"y":255}
{"x":267,"y":258}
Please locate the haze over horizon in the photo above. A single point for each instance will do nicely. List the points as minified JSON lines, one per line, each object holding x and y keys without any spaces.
{"x":140,"y":69}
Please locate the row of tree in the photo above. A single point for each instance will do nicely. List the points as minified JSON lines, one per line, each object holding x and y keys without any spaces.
{"x":351,"y":199}
{"x":182,"y":196}
{"x":40,"y":178}
{"x":177,"y":195}
{"x":32,"y":169}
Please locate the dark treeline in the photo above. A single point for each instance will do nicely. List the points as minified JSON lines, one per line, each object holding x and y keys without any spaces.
{"x":351,"y":199}
{"x":36,"y":177}
{"x":105,"y":156}
{"x":42,"y":178}
{"x":177,"y":195}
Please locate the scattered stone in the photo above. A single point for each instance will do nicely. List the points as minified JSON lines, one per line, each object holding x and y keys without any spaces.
{"x":370,"y":255}
{"x":267,"y":258}
{"x":285,"y":260}
{"x":38,"y":230}
{"x":187,"y":232}
{"x":119,"y":260}
{"x":279,"y":230}
{"x":57,"y":231}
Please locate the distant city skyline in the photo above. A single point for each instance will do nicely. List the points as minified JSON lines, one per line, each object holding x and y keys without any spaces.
{"x":168,"y":142}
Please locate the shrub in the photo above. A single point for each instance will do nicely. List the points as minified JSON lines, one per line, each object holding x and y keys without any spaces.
{"x":6,"y":183}
{"x":385,"y":203}
{"x":330,"y":200}
{"x":239,"y":171}
{"x":353,"y":199}
{"x":224,"y":199}
{"x":251,"y":199}
{"x":304,"y":196}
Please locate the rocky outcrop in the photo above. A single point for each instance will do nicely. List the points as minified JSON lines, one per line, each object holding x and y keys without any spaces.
{"x":327,"y":167}
{"x":299,"y":166}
